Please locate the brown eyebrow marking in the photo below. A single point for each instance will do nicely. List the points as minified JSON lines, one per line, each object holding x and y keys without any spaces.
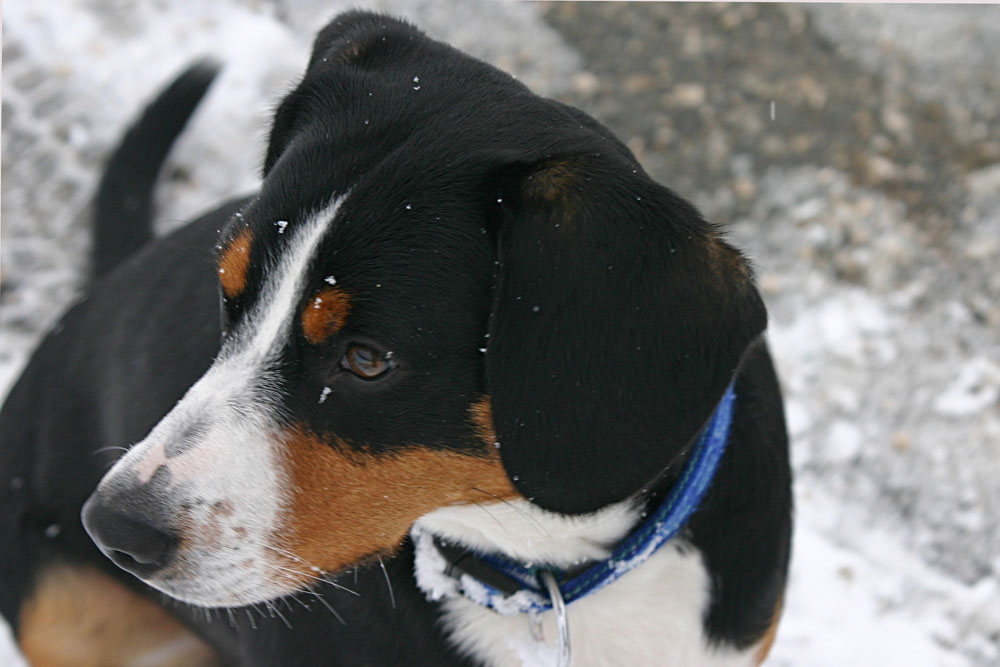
{"x":347,"y":506}
{"x":234,"y":264}
{"x":325,"y":313}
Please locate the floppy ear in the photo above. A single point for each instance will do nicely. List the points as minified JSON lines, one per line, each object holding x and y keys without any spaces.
{"x":348,"y":39}
{"x":619,"y":318}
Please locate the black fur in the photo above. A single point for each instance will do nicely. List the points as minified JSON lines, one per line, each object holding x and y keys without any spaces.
{"x":616,"y":318}
{"x":606,"y":298}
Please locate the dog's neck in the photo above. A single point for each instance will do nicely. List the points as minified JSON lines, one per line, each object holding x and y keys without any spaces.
{"x":659,"y":604}
{"x":524,"y":532}
{"x":515,"y":584}
{"x":647,"y":574}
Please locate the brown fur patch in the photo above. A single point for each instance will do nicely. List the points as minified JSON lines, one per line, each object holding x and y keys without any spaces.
{"x":357,"y":48}
{"x":348,"y":506}
{"x":349,"y":54}
{"x":723,"y":257}
{"x":482,"y":420}
{"x":325,"y":313}
{"x":555,"y":186}
{"x":552,"y":182}
{"x":234,"y":264}
{"x":767,"y":641}
{"x":80,"y":617}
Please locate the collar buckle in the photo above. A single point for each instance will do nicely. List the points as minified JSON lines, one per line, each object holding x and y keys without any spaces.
{"x":462,"y":561}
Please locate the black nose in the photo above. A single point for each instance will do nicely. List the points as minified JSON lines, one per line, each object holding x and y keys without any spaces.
{"x":132,"y":542}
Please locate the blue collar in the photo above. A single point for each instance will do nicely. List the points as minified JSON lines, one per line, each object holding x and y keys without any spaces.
{"x":508,"y":586}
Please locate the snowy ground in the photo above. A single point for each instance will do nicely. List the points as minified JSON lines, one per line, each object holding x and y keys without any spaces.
{"x":870,"y":204}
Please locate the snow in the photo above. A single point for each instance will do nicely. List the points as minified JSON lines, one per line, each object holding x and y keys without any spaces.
{"x":429,"y":567}
{"x":975,"y":389}
{"x":892,"y":403}
{"x":891,"y":620}
{"x":9,"y":655}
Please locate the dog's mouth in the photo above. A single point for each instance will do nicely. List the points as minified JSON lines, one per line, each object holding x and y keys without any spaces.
{"x":239,"y":517}
{"x":212,"y":554}
{"x":190,"y":509}
{"x":208,"y":553}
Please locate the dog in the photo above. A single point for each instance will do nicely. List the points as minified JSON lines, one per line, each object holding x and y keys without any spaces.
{"x":459,"y":385}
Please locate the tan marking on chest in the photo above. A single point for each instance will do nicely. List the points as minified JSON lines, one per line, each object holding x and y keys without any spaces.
{"x":325,"y":314}
{"x":79,"y":617}
{"x":346,"y":506}
{"x":234,"y":264}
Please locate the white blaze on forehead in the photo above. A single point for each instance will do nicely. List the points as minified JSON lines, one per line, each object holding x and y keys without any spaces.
{"x":236,"y":387}
{"x":263,"y":333}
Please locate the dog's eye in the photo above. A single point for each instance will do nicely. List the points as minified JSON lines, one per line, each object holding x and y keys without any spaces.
{"x":366,"y":362}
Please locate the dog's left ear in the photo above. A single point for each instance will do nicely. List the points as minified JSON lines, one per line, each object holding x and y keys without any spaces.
{"x":619,"y":318}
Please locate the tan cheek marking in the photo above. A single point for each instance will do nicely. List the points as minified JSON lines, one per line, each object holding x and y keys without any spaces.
{"x":767,"y":641}
{"x":481,"y":414}
{"x":325,"y":314}
{"x":234,"y":264}
{"x":348,"y":506}
{"x":78,"y":616}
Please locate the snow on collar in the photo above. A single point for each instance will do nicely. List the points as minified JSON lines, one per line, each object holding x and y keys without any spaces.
{"x":509,"y":587}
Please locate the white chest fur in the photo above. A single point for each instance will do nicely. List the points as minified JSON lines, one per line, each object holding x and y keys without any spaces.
{"x":652,"y":615}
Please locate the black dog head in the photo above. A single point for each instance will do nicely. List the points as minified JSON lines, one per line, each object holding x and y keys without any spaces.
{"x":438,"y":261}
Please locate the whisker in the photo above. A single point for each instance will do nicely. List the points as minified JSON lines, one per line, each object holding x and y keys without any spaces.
{"x":274,"y":610}
{"x":283,"y":619}
{"x":315,"y":572}
{"x":108,"y":449}
{"x":285,"y":552}
{"x":209,"y":257}
{"x":492,"y":516}
{"x":336,"y":585}
{"x":318,"y":577}
{"x":392,"y":596}
{"x":330,"y":607}
{"x":517,"y":509}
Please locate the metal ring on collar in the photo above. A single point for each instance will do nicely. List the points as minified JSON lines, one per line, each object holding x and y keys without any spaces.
{"x":562,"y":620}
